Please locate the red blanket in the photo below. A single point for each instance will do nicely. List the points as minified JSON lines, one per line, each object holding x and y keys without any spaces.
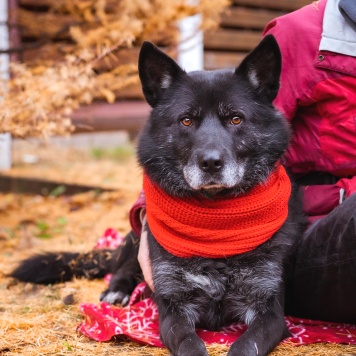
{"x":139,"y":321}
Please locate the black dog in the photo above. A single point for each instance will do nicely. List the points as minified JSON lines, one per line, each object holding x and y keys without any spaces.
{"x":211,"y":135}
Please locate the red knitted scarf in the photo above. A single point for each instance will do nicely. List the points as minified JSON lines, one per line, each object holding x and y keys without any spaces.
{"x":218,"y":228}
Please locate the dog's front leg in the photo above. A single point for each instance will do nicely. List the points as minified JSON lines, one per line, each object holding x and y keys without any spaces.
{"x":126,"y":271}
{"x":263,"y":334}
{"x":178,"y":333}
{"x":177,"y":317}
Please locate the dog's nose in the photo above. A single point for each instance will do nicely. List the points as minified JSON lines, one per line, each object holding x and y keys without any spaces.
{"x":211,"y":161}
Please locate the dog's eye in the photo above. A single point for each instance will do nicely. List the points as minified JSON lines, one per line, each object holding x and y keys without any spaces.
{"x":236,"y":120}
{"x":186,"y":121}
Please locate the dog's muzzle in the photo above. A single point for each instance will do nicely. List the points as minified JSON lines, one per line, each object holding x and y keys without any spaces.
{"x":212,"y":169}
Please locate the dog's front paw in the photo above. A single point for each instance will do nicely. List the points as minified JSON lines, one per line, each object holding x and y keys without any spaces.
{"x":114,"y":297}
{"x":192,"y":346}
{"x":253,"y":351}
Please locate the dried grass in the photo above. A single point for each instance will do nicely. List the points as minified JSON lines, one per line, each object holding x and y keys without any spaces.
{"x":37,"y":101}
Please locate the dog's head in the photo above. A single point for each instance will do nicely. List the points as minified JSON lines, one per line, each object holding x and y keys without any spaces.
{"x":211,"y":131}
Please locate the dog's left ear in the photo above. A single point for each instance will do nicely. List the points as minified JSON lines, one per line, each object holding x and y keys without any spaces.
{"x":157,"y":71}
{"x":262,"y":68}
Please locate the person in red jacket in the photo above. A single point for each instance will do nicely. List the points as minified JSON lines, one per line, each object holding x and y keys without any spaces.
{"x":318,"y":96}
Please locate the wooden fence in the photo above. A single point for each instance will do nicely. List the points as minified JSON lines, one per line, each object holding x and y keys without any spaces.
{"x":241,"y":28}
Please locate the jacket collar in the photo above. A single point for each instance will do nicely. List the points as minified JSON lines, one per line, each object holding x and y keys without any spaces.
{"x":339,"y":31}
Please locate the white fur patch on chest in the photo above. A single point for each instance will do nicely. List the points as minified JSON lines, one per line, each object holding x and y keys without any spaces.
{"x":198,"y":280}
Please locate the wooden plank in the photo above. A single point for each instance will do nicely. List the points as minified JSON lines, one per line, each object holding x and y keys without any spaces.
{"x":45,"y":24}
{"x":288,"y":5}
{"x":41,"y":3}
{"x":35,"y":3}
{"x":101,"y":116}
{"x":242,"y":17}
{"x":216,"y":59}
{"x":131,"y":92}
{"x":14,"y":32}
{"x":23,"y":185}
{"x":49,"y":52}
{"x":232,"y":40}
{"x":52,"y":52}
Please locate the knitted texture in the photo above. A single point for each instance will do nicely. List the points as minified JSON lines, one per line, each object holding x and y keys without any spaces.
{"x":221,"y":227}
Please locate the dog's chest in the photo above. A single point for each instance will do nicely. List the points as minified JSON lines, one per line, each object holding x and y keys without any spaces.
{"x":215,"y":292}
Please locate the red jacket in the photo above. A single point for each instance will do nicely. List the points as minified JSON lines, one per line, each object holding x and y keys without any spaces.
{"x":318,"y":96}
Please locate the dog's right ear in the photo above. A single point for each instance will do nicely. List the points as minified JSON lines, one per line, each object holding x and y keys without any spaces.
{"x":157,"y":72}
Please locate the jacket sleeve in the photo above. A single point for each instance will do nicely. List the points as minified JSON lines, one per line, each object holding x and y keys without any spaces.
{"x":288,"y":95}
{"x":298,"y":36}
{"x":136,"y":213}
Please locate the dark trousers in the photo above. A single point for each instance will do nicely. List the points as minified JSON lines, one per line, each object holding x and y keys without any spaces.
{"x":323,"y":283}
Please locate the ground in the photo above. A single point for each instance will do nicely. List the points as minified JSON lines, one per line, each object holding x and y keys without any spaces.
{"x":39,"y":320}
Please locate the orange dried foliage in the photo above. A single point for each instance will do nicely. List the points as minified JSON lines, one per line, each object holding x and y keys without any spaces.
{"x":38,"y":100}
